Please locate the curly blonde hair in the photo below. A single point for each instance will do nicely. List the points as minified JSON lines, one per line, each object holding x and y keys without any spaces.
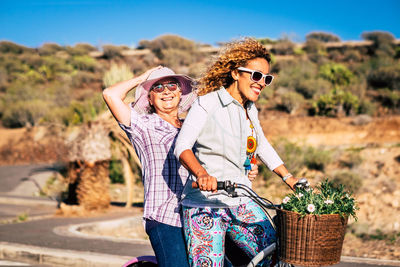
{"x":236,"y":54}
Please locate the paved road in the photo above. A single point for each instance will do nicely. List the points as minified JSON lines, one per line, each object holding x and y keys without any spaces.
{"x":41,"y":233}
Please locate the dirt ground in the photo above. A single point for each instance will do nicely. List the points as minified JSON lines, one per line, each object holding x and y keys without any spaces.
{"x":376,"y":234}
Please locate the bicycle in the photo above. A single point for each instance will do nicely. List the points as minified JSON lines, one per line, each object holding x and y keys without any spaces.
{"x":230,"y":189}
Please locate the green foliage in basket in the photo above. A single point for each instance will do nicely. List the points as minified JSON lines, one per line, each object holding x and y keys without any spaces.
{"x":325,"y":199}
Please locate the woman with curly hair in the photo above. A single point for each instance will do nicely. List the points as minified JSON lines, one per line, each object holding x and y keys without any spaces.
{"x":219,"y":141}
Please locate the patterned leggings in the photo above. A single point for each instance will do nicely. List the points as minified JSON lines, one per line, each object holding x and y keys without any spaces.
{"x":205,"y":230}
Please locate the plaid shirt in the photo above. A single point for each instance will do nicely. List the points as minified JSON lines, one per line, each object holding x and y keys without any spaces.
{"x":162,"y":174}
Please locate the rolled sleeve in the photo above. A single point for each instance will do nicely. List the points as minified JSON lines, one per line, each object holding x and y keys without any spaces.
{"x":268,"y":155}
{"x":191,"y":128}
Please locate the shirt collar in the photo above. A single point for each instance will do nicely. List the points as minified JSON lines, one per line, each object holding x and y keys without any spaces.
{"x":226,"y":98}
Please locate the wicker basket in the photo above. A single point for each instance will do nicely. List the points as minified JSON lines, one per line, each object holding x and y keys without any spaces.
{"x":311,"y":240}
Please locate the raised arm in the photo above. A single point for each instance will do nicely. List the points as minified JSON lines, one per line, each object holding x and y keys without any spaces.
{"x":115,"y":94}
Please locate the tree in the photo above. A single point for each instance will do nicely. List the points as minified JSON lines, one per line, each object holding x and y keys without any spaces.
{"x":322,"y":37}
{"x":382,"y":43}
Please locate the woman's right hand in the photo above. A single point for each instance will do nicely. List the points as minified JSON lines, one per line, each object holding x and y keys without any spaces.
{"x":207,"y":183}
{"x":143,"y":77}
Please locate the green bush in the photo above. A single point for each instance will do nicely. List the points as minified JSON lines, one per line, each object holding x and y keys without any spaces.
{"x":322,"y":37}
{"x":311,"y":87}
{"x":80,"y":49}
{"x":283,"y":47}
{"x":113,"y":51}
{"x":316,"y":159}
{"x":337,"y":74}
{"x":13,"y":48}
{"x":291,"y":101}
{"x":335,"y":103}
{"x":168,"y":42}
{"x":85,"y":63}
{"x":50,"y":49}
{"x":24,"y":113}
{"x":117,"y":73}
{"x":291,"y":73}
{"x":389,"y":98}
{"x":291,"y":154}
{"x":175,"y":58}
{"x":385,"y":77}
{"x":84,"y":111}
{"x":116,"y":171}
{"x":382,"y":43}
{"x":349,"y":179}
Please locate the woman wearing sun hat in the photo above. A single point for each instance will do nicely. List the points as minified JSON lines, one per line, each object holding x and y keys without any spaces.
{"x":152,"y":123}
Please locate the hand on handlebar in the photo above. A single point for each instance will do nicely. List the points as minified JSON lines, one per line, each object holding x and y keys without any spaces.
{"x":207,"y":183}
{"x":253,"y":172}
{"x":302,"y":183}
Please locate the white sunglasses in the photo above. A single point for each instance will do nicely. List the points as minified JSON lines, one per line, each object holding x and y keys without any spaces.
{"x":257,"y":76}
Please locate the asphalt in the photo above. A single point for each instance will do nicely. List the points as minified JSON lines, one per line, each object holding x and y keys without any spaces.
{"x":31,"y":234}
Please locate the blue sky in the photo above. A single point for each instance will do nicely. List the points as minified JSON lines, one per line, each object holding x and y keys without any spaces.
{"x":67,"y":22}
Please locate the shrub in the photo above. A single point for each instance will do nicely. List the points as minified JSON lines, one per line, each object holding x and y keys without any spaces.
{"x":116,"y":73}
{"x":82,"y":78}
{"x":322,"y":37}
{"x":388,"y":98}
{"x":385,"y":76}
{"x":85,"y":63}
{"x":349,"y":179}
{"x":49,"y":49}
{"x":336,"y":102}
{"x":80,"y":49}
{"x":112,"y":51}
{"x":291,"y":101}
{"x":10,"y":47}
{"x":291,"y":153}
{"x":23,"y":113}
{"x":316,"y":159}
{"x":310,"y":87}
{"x":116,"y":171}
{"x":382,"y":43}
{"x":167,"y":42}
{"x":337,"y":74}
{"x":292,"y":73}
{"x":175,"y":58}
{"x":283,"y":47}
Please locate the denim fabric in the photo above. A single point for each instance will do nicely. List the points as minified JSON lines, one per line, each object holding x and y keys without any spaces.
{"x":168,"y":244}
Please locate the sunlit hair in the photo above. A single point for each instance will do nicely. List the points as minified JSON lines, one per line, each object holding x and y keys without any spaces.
{"x":235,"y":54}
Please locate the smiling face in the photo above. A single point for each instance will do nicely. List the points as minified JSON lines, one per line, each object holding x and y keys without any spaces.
{"x":244,"y":88}
{"x":167,"y":101}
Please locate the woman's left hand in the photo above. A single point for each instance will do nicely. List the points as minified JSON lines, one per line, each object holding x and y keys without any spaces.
{"x":253,"y":172}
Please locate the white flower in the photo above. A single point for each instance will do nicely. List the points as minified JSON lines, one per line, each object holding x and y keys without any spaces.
{"x":328,"y":201}
{"x":311,"y":208}
{"x":285,"y":200}
{"x":299,"y":195}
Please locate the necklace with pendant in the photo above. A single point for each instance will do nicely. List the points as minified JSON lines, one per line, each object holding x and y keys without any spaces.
{"x":251,"y":148}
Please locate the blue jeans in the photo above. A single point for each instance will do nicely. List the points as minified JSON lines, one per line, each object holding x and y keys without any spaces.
{"x":168,"y":244}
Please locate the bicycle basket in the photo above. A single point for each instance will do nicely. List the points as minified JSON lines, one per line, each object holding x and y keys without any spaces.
{"x":310,"y":240}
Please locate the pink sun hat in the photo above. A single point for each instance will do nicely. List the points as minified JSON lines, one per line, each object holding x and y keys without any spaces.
{"x":141,"y":103}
